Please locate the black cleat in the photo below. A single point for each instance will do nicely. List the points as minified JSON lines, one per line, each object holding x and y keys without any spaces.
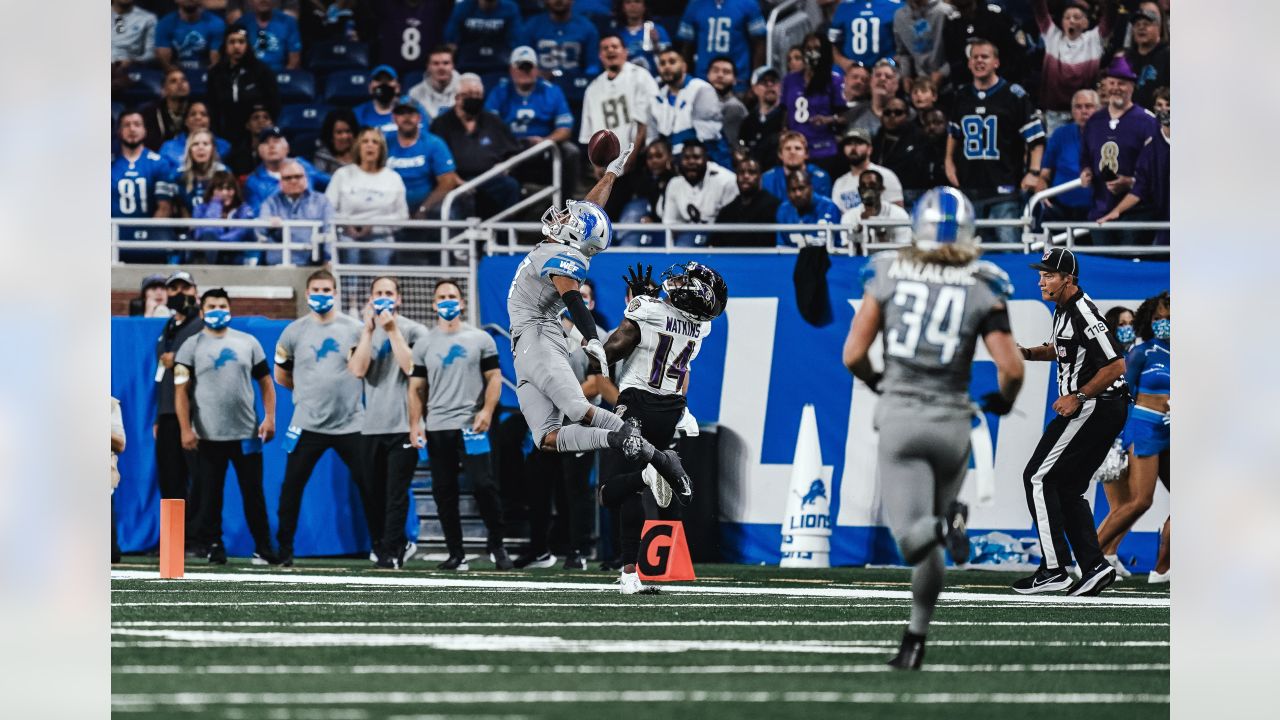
{"x":575,"y":561}
{"x":286,"y":556}
{"x":1094,"y":581}
{"x":264,"y":556}
{"x":218,"y":554}
{"x":388,"y":562}
{"x":500,"y":559}
{"x":629,"y":442}
{"x":455,"y":562}
{"x":1045,"y":580}
{"x":910,"y":652}
{"x":539,"y":561}
{"x":668,"y":465}
{"x":956,"y":535}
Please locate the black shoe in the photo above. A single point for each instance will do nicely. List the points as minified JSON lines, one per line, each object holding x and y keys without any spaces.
{"x":218,"y":554}
{"x":529,"y":560}
{"x":1045,"y":580}
{"x":115,"y":556}
{"x":264,"y":556}
{"x":957,"y":532}
{"x":455,"y":562}
{"x":1094,"y":581}
{"x":500,"y":559}
{"x":575,"y":561}
{"x":197,"y":550}
{"x":613,"y":565}
{"x":910,"y":652}
{"x":668,"y":465}
{"x":388,"y":562}
{"x":286,"y":556}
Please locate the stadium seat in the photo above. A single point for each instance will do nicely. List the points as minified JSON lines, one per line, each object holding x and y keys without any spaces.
{"x":307,"y":117}
{"x":337,"y":55}
{"x":346,"y":87}
{"x":296,"y":86}
{"x":145,"y":85}
{"x":409,"y":79}
{"x":199,"y":82}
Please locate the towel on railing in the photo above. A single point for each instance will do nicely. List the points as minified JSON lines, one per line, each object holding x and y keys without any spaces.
{"x":810,"y":277}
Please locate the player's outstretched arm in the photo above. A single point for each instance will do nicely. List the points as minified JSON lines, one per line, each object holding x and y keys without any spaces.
{"x":623,"y":341}
{"x":604,"y":186}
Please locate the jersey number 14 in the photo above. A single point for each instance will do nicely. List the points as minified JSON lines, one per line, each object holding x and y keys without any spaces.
{"x":679,"y":367}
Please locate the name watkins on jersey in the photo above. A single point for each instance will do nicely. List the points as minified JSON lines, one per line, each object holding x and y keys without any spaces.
{"x":683,"y":327}
{"x":927,"y":272}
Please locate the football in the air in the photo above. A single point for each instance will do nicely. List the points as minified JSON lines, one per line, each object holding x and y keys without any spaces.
{"x":603,"y":148}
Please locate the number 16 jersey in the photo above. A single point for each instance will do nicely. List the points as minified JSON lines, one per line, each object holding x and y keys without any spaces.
{"x":669,"y":341}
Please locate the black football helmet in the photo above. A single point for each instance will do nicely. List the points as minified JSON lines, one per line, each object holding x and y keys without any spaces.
{"x":696,"y":290}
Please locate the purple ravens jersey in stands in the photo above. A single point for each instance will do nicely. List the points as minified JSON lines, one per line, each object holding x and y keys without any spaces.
{"x":862,"y":30}
{"x":1111,"y":148}
{"x":800,"y":107}
{"x":408,"y":31}
{"x":722,"y":27}
{"x":191,"y":42}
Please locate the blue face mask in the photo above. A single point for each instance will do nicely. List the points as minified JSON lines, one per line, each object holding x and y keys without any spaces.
{"x":321,"y":304}
{"x":1160,"y":328}
{"x":384,"y":303}
{"x":449,"y":309}
{"x":1124,"y":334}
{"x":217,"y":319}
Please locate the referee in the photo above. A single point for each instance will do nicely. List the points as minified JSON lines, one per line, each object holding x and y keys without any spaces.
{"x":1091,"y":411}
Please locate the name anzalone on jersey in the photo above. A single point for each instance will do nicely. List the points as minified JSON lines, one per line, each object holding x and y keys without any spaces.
{"x":669,"y":341}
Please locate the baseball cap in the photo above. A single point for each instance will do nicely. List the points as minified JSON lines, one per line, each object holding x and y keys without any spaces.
{"x":151,"y":281}
{"x":856,"y":133}
{"x":384,"y":70}
{"x":404,"y":106}
{"x":271,"y":132}
{"x":1147,"y":14}
{"x":524,"y":54}
{"x":180,"y":276}
{"x":759,"y":73}
{"x":1058,"y":260}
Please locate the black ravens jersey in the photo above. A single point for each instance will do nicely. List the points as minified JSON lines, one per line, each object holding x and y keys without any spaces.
{"x":993,"y":128}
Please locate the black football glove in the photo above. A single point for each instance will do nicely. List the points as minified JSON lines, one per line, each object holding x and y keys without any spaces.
{"x":995,"y":402}
{"x":639,"y":280}
{"x":874,"y":382}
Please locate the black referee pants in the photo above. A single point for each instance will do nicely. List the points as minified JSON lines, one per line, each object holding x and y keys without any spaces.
{"x":297,"y":471}
{"x":446,"y":451}
{"x":211,"y":468}
{"x":176,"y":469}
{"x":391,"y":462}
{"x":1058,"y":474}
{"x":658,"y":416}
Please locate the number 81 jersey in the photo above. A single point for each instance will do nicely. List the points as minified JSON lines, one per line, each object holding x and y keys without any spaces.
{"x":669,"y":341}
{"x":932,"y":316}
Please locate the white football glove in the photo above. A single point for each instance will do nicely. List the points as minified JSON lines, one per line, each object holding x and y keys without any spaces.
{"x":619,"y":164}
{"x":688,"y":425}
{"x":596,"y":350}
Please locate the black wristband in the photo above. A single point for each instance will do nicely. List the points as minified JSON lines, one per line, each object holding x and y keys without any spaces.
{"x":580,"y":315}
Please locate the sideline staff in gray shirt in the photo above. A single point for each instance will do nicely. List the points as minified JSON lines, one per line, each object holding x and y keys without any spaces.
{"x":457,"y":381}
{"x":383,"y":358}
{"x":311,"y":360}
{"x":213,"y":379}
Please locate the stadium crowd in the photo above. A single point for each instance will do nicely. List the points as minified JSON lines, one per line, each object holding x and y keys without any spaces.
{"x":345,"y":112}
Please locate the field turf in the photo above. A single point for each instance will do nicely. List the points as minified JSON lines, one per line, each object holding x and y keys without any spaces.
{"x":339,"y":640}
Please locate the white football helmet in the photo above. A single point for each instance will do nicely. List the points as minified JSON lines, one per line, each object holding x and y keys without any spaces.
{"x":941,"y":216}
{"x":581,"y":225}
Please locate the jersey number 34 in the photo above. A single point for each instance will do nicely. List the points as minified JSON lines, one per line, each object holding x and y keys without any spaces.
{"x":943,"y":328}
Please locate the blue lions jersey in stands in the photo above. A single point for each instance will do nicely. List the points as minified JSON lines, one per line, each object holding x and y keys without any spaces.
{"x":774,"y":181}
{"x":537,"y":114}
{"x":419,"y":165}
{"x":191,"y":42}
{"x":821,"y":212}
{"x":722,"y":28}
{"x":272,"y":43}
{"x":568,"y":50}
{"x":137,"y":186}
{"x":634,"y":42}
{"x":368,"y":116}
{"x":484,"y":38}
{"x":862,"y":30}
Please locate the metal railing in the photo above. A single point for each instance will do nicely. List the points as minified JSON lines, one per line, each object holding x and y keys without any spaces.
{"x":286,"y":246}
{"x":535,"y":152}
{"x":771,"y":30}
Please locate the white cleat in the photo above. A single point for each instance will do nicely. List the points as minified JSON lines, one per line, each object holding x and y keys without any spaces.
{"x":1156,"y":578}
{"x":631,"y":583}
{"x":658,"y":485}
{"x":1122,"y":572}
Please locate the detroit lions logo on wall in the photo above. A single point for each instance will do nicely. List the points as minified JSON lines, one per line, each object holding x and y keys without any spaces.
{"x":817,"y":489}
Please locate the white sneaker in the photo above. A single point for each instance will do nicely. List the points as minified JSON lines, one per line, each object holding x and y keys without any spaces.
{"x":1156,"y":578}
{"x":1121,"y":571}
{"x":658,"y":485}
{"x":631,"y":583}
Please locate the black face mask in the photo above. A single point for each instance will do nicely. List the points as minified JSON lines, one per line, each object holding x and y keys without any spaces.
{"x":472,"y":106}
{"x":1163,"y":117}
{"x":869,"y":196}
{"x":384,"y":94}
{"x":812,"y":57}
{"x":182,"y":304}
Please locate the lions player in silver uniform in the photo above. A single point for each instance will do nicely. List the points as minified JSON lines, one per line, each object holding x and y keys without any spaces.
{"x":546,"y":283}
{"x":658,"y":339}
{"x":932,"y":301}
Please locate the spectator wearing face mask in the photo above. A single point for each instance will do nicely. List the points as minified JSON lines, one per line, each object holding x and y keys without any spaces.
{"x":176,"y":466}
{"x":479,"y":140}
{"x":384,"y":91}
{"x":813,"y":102}
{"x":152,"y":300}
{"x":870,"y":191}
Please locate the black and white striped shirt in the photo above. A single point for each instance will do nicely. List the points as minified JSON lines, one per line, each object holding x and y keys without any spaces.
{"x":1083,"y":346}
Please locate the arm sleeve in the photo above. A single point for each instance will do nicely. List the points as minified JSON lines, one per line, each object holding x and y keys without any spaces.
{"x":1143,"y":170}
{"x":580,"y":315}
{"x":1040,"y":9}
{"x":186,"y":354}
{"x":1134,"y":364}
{"x":995,"y":321}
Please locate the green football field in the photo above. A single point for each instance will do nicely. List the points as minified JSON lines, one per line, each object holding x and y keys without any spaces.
{"x":338,"y":640}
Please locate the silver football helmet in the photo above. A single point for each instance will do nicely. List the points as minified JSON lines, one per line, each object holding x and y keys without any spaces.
{"x":581,"y":225}
{"x":943,"y":216}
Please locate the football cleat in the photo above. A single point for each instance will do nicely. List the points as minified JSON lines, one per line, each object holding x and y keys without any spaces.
{"x":1122,"y":572}
{"x":667,"y":463}
{"x":1159,"y":578}
{"x":575,"y":561}
{"x":500,"y":559}
{"x":660,"y":488}
{"x":910,"y":652}
{"x":957,"y":532}
{"x":631,"y":585}
{"x":455,"y":562}
{"x":217,"y":554}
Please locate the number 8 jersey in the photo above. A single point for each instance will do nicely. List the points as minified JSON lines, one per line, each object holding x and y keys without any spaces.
{"x":932,"y":316}
{"x":669,"y":341}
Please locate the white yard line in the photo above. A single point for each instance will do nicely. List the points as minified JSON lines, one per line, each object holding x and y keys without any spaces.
{"x":618,"y":669}
{"x":614,"y":623}
{"x":617,"y":696}
{"x":678,"y":589}
{"x":537,"y":643}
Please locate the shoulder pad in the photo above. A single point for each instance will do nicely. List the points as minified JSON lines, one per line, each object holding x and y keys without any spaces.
{"x":995,"y":278}
{"x":643,"y":307}
{"x":1017,"y":90}
{"x":868,"y":272}
{"x":565,"y":264}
